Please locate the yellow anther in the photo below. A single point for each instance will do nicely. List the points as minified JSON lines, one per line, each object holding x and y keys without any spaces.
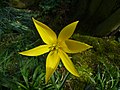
{"x":54,"y":46}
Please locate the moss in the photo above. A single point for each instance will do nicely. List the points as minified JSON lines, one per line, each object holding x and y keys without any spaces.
{"x":74,"y":84}
{"x":104,"y":49}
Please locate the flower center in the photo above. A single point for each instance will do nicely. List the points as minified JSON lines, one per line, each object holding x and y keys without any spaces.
{"x":54,"y":46}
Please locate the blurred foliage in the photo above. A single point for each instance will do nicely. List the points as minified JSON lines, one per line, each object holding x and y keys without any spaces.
{"x":3,"y":3}
{"x":15,"y":19}
{"x":97,"y":17}
{"x":15,"y":25}
{"x":49,"y":5}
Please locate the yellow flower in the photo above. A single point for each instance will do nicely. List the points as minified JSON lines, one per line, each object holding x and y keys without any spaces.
{"x":58,"y":47}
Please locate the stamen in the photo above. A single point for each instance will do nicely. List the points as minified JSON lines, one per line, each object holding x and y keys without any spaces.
{"x":54,"y":47}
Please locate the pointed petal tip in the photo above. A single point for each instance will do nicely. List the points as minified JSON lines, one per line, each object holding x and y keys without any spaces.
{"x":67,"y":31}
{"x":47,"y":34}
{"x":46,"y":81}
{"x":77,"y":75}
{"x":68,"y":63}
{"x":90,"y":46}
{"x":33,"y":18}
{"x":20,"y":52}
{"x":73,"y":46}
{"x":76,"y":21}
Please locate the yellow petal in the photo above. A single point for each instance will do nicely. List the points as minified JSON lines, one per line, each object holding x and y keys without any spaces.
{"x":67,"y":31}
{"x":47,"y":34}
{"x":76,"y":46}
{"x":64,"y":47}
{"x":67,"y":63}
{"x":36,"y":51}
{"x":51,"y":64}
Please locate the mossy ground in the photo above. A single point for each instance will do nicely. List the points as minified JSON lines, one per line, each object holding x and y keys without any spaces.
{"x":105,"y":50}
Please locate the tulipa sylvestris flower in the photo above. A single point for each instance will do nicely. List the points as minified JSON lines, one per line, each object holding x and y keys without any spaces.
{"x":58,"y":47}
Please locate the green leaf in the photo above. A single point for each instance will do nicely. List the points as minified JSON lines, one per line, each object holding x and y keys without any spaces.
{"x":25,"y":73}
{"x":35,"y":73}
{"x":21,"y":85}
{"x":7,"y":82}
{"x":39,"y":79}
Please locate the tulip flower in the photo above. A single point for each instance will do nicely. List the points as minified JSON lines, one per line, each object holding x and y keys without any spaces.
{"x":58,"y":47}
